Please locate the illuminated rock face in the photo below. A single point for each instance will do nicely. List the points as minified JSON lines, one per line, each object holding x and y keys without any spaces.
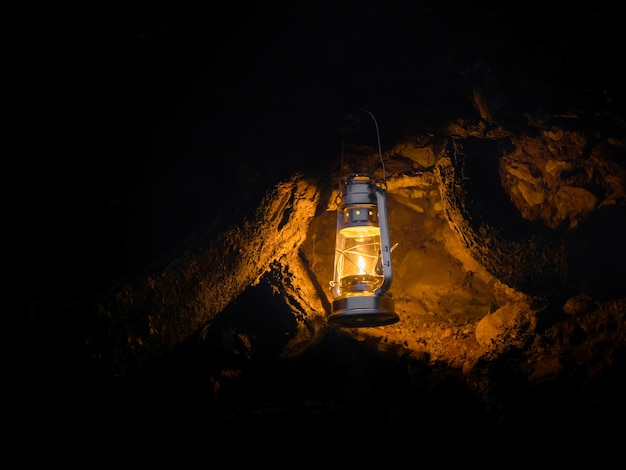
{"x":468,"y":245}
{"x":478,"y":281}
{"x":506,"y":196}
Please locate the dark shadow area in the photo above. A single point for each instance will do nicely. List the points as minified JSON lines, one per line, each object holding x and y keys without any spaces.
{"x":137,"y":135}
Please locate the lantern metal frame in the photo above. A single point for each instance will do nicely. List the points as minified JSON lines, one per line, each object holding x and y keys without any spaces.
{"x":363,"y":271}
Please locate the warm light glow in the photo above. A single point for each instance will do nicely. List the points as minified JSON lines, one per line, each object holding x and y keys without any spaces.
{"x":361,"y":263}
{"x":357,"y":259}
{"x":360,"y":231}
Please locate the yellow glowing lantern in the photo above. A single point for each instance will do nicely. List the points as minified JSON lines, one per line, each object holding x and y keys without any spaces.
{"x":363,"y":272}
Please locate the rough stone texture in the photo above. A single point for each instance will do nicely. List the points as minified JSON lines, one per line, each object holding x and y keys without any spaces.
{"x":473,"y":283}
{"x":174,"y":253}
{"x":147,"y":318}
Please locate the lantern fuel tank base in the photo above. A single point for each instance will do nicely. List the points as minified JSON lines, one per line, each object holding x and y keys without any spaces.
{"x":357,"y":311}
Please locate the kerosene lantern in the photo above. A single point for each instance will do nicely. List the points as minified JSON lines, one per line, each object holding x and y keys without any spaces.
{"x":363,"y":271}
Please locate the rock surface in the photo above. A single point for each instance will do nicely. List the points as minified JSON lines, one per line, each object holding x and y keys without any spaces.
{"x":185,"y":279}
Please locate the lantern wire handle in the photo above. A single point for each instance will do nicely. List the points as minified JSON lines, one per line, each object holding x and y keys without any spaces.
{"x":380,"y":153}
